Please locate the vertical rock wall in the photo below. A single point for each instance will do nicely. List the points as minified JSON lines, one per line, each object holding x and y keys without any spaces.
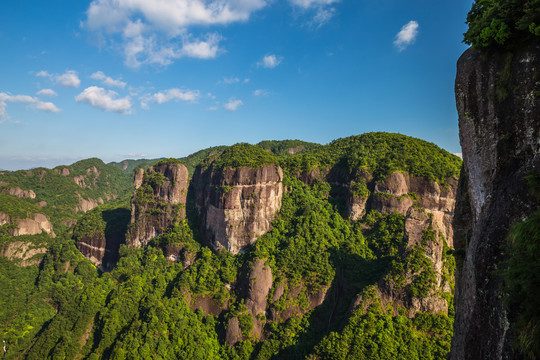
{"x":159,"y":201}
{"x":237,"y":205}
{"x":498,"y":102}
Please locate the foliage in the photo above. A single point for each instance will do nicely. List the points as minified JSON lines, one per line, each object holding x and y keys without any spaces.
{"x":376,"y":334}
{"x":61,"y":193}
{"x":502,"y":24}
{"x":144,"y":307}
{"x":242,"y":154}
{"x":381,"y":154}
{"x":169,"y":161}
{"x":128,"y":166}
{"x":522,"y":277}
{"x":282,"y":147}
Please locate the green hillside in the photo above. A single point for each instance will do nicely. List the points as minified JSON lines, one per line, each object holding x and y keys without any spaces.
{"x":144,"y":308}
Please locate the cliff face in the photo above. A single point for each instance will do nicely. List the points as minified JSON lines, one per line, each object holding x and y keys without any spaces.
{"x":237,"y":205}
{"x":159,"y":201}
{"x":499,"y":110}
{"x":428,"y":209}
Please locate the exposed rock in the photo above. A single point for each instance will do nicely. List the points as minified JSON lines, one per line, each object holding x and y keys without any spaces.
{"x":156,"y":206}
{"x":101,"y":250}
{"x":386,"y":203}
{"x":416,"y":222}
{"x":33,"y":226}
{"x":24,"y":251}
{"x":399,"y":191}
{"x":20,"y":193}
{"x":70,"y":223}
{"x":179,"y":254}
{"x":79,"y":180}
{"x":260,"y":283}
{"x":4,"y":218}
{"x":87,"y":205}
{"x":295,"y":150}
{"x":356,"y":207}
{"x":292,"y":294}
{"x":233,"y":333}
{"x":139,"y":177}
{"x":499,"y":111}
{"x":42,"y":204}
{"x":237,"y":205}
{"x":206,"y":304}
{"x":63,"y":171}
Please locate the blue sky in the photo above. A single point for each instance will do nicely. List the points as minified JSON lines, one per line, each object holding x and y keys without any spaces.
{"x":119,"y":79}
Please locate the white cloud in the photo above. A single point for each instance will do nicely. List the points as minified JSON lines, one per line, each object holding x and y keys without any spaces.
{"x":407,"y":35}
{"x":176,"y":94}
{"x":310,"y":3}
{"x":43,"y":73}
{"x":140,"y":49}
{"x":321,"y":10}
{"x":230,"y":80}
{"x":47,"y":92}
{"x":261,"y":92}
{"x":270,"y":61}
{"x":105,"y":100}
{"x":201,"y":49}
{"x":106,"y":80}
{"x":212,"y":108}
{"x":150,"y":30}
{"x":233,"y":104}
{"x":46,"y":106}
{"x":69,"y":79}
{"x":32,"y":102}
{"x":170,"y":95}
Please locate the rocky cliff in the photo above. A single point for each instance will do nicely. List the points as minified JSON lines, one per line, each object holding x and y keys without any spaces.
{"x":497,"y":100}
{"x":237,"y":205}
{"x":428,"y":210}
{"x":159,"y":201}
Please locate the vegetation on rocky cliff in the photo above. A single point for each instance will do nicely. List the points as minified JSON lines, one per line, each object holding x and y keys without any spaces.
{"x":320,"y":261}
{"x":502,"y":24}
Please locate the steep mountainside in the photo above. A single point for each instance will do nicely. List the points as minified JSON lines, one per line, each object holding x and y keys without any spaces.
{"x":499,"y":110}
{"x":334,"y":251}
{"x":159,"y":200}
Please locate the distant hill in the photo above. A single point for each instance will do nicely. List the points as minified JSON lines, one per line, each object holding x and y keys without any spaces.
{"x":283,"y":249}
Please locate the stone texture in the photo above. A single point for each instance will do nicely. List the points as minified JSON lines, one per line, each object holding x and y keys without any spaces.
{"x":391,"y":195}
{"x":25,"y":252}
{"x":87,"y":204}
{"x":20,"y":193}
{"x":499,"y":137}
{"x":167,"y":203}
{"x":238,"y":205}
{"x":260,"y":283}
{"x":33,"y":226}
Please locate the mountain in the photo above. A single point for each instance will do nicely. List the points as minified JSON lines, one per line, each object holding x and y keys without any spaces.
{"x":334,"y":251}
{"x":496,"y":217}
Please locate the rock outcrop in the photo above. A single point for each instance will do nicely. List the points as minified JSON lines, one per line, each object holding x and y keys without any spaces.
{"x":101,"y":250}
{"x":237,"y":205}
{"x":20,"y":193}
{"x":87,"y":204}
{"x":498,"y":104}
{"x":25,"y":253}
{"x":31,"y":226}
{"x":159,"y":201}
{"x":399,"y":191}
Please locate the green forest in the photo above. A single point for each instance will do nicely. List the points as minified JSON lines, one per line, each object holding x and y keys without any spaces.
{"x":146,"y":307}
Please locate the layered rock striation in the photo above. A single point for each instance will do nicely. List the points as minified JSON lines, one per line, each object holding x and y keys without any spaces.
{"x":237,"y":205}
{"x":499,"y":110}
{"x":159,"y":201}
